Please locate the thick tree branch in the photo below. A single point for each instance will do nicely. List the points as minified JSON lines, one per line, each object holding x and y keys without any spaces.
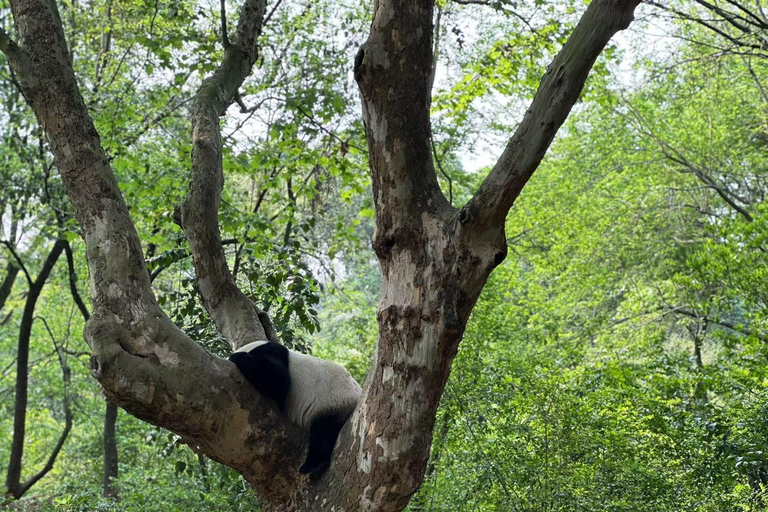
{"x":433,"y":263}
{"x":235,"y":315}
{"x":12,"y":51}
{"x":393,"y":73}
{"x":110,"y":414}
{"x":49,"y":85}
{"x":433,"y":266}
{"x":560,"y":87}
{"x":432,"y":271}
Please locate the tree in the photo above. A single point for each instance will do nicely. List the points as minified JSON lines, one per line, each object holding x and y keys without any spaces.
{"x":434,"y":258}
{"x":16,"y":487}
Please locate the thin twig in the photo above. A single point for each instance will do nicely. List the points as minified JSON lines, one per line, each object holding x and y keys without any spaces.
{"x":269,"y":16}
{"x":344,"y":143}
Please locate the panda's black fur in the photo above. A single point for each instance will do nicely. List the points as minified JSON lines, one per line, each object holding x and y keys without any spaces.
{"x":315,"y":394}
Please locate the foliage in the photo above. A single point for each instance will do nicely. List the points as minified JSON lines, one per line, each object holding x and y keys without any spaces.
{"x":616,"y":361}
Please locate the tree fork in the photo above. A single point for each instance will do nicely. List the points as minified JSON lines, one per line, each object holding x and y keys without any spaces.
{"x":434,"y":258}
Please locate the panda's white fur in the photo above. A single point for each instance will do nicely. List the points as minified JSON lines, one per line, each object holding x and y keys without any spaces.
{"x":317,"y":387}
{"x":315,"y":394}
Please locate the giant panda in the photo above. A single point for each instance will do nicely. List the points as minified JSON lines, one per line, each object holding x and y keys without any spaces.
{"x":315,"y":394}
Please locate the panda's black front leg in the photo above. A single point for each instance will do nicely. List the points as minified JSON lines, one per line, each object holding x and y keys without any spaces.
{"x":322,"y":438}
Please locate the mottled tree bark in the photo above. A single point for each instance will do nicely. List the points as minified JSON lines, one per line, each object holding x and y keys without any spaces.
{"x":434,"y":258}
{"x":110,"y":412}
{"x":234,"y":314}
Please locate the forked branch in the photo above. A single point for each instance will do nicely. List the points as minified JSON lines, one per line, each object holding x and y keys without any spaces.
{"x":235,"y":315}
{"x":558,"y":91}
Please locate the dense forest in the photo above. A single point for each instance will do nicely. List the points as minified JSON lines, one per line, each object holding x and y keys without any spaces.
{"x":615,"y":360}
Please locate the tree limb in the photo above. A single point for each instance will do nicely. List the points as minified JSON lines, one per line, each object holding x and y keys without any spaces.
{"x":224,"y":33}
{"x":753,"y":17}
{"x":733,"y":19}
{"x":12,"y":50}
{"x":110,"y":451}
{"x":433,"y":266}
{"x":755,"y":78}
{"x":710,"y":25}
{"x":500,"y":7}
{"x":110,"y":415}
{"x":722,"y":323}
{"x":73,"y":283}
{"x":234,"y":314}
{"x":397,"y":124}
{"x":16,"y":257}
{"x":144,"y":362}
{"x":558,"y":91}
{"x":7,"y":285}
{"x":674,"y":155}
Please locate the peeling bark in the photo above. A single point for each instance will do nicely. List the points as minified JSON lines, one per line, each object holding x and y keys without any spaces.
{"x":144,"y":362}
{"x":110,"y":413}
{"x":434,"y":259}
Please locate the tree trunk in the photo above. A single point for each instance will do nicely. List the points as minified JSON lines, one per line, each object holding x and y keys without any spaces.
{"x":7,"y":285}
{"x":13,"y":482}
{"x":110,"y":451}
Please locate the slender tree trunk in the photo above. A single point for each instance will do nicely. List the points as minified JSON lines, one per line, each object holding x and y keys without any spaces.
{"x":13,"y":479}
{"x":698,"y":332}
{"x":110,"y":451}
{"x":7,"y":285}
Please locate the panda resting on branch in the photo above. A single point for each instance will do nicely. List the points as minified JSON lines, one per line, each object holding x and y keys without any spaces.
{"x":315,"y":394}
